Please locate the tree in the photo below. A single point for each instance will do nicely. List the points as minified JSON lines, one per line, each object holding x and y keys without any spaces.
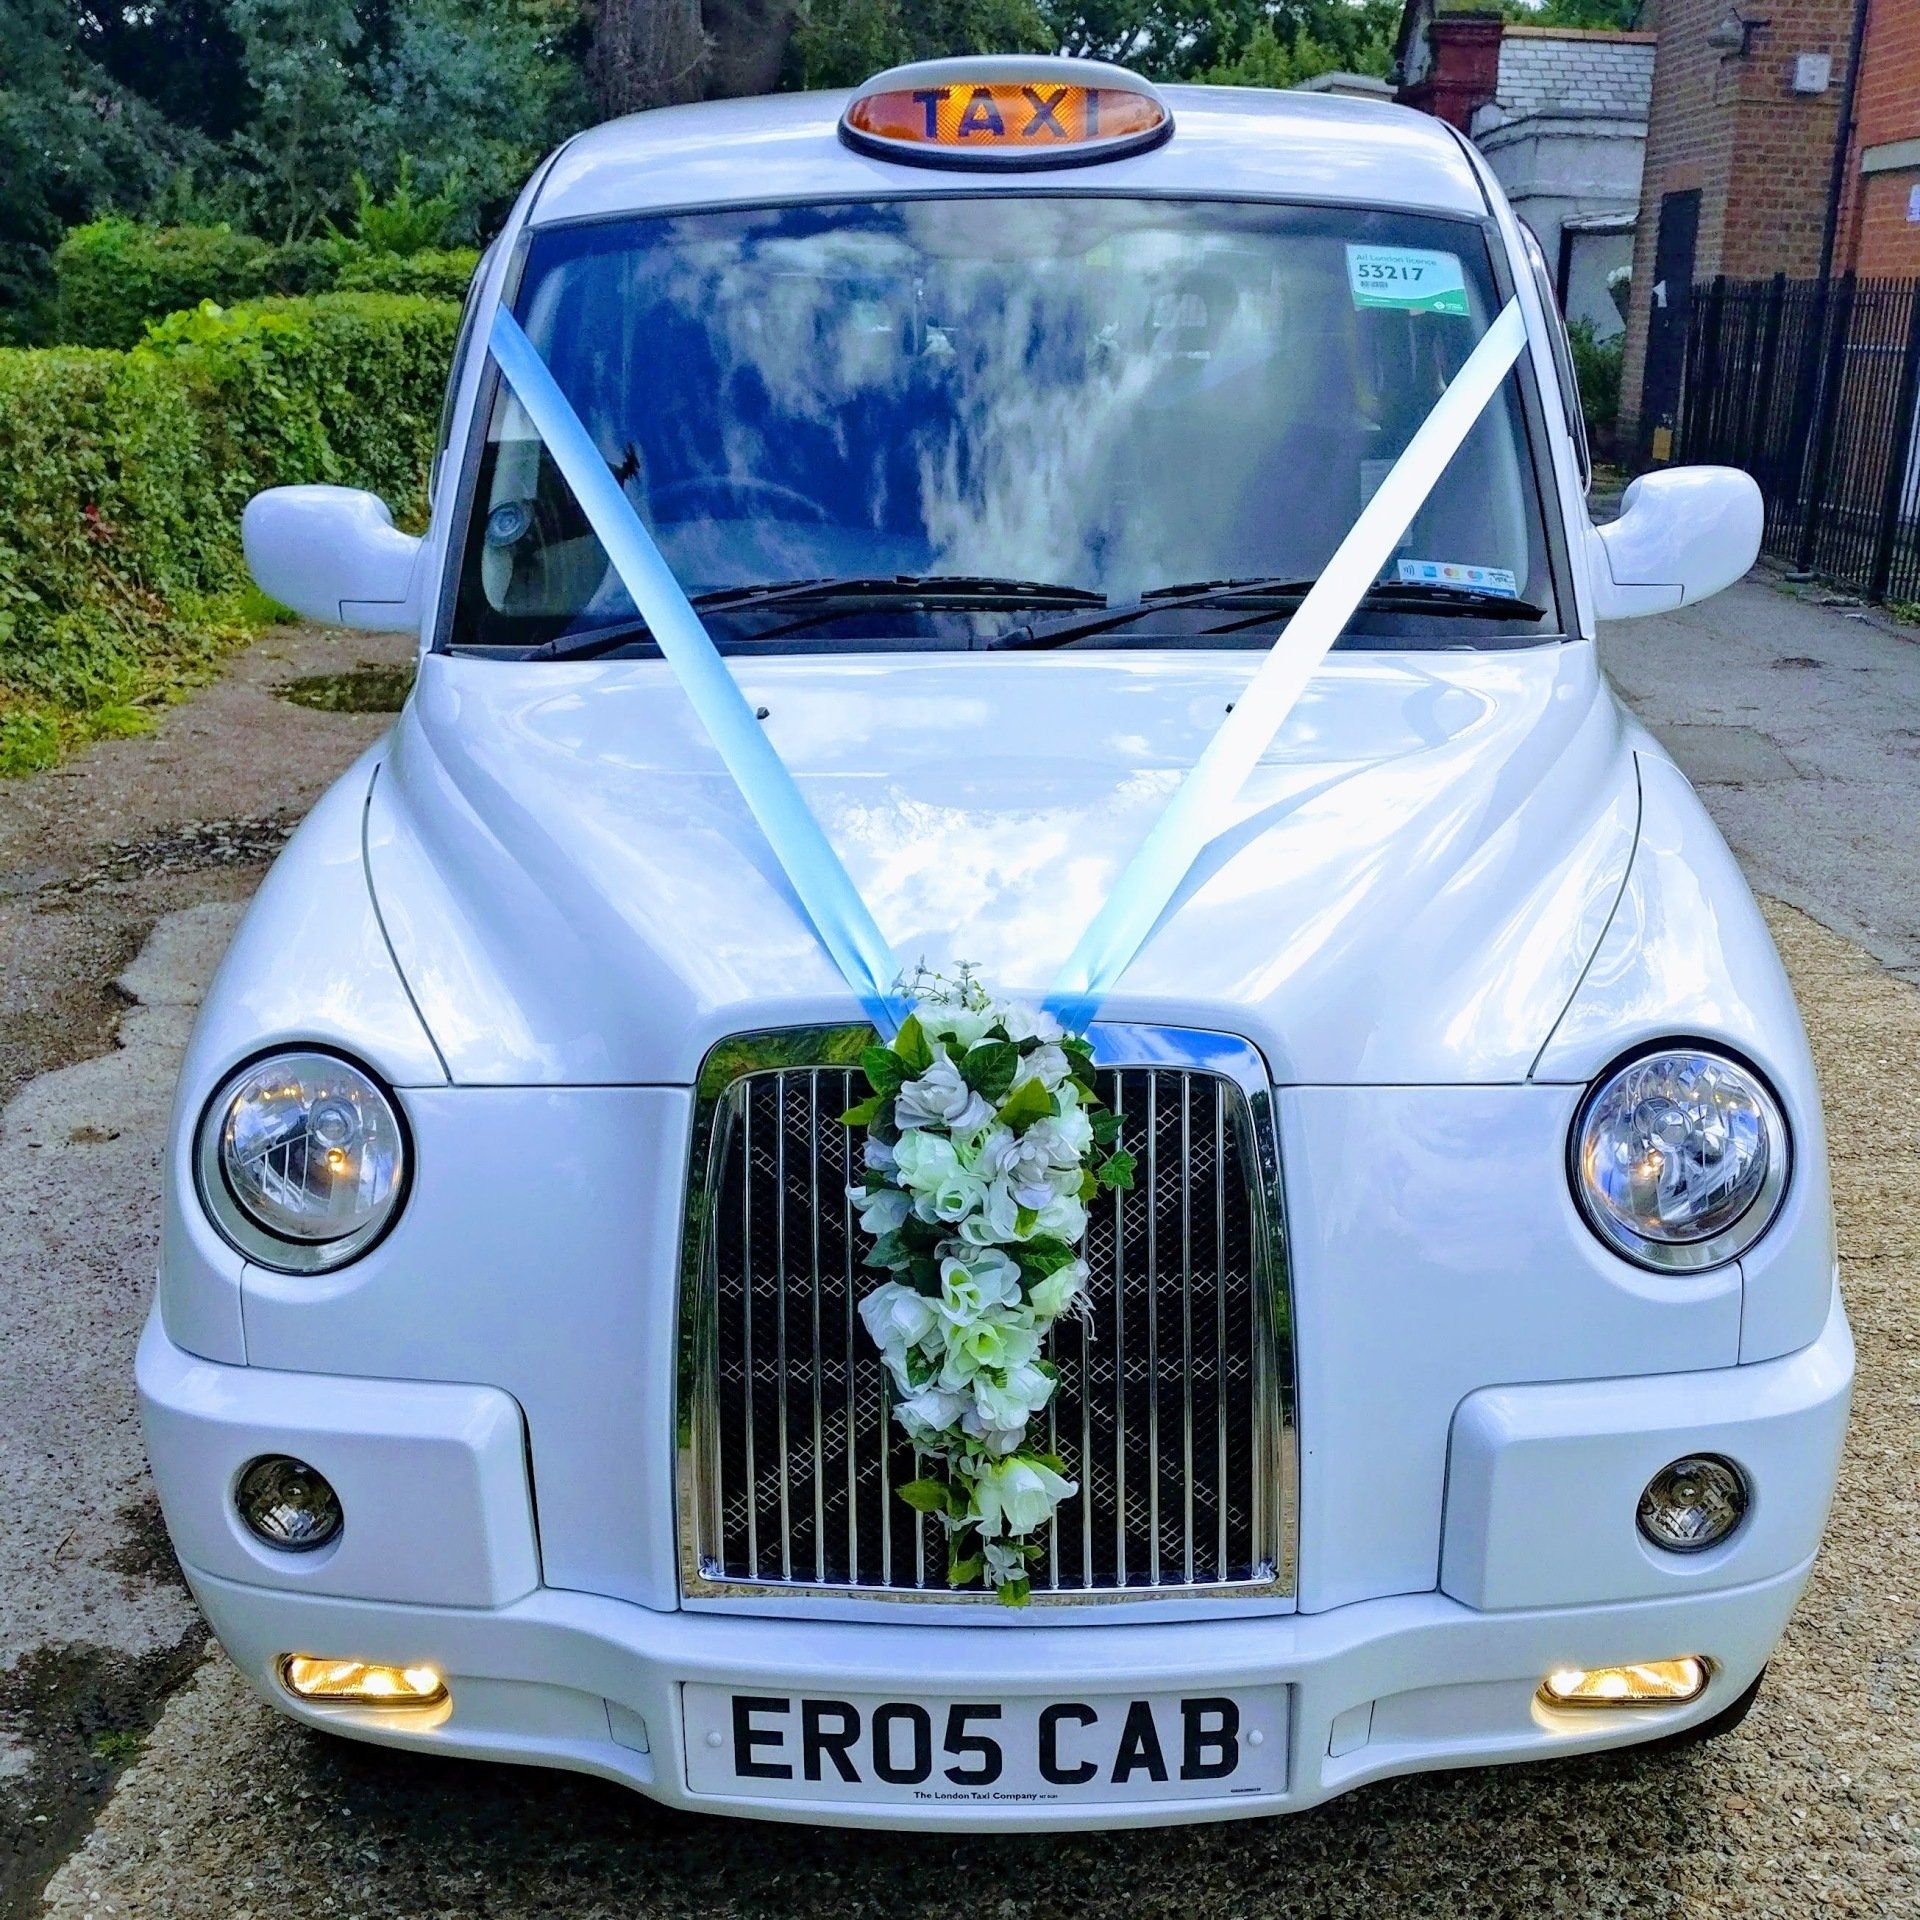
{"x":73,"y":143}
{"x":838,"y":43}
{"x":646,"y":53}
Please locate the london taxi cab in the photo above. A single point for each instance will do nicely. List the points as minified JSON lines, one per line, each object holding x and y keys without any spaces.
{"x":1463,"y":1375}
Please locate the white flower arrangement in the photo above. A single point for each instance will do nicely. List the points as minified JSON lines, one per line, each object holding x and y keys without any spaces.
{"x":985,"y":1142}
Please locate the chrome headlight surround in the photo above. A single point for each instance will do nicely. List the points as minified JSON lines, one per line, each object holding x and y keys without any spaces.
{"x":1674,"y":1250}
{"x":362,"y":1116}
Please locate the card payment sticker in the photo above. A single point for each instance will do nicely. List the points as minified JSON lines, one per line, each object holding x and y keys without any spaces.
{"x":1409,"y":278}
{"x":1451,"y":573}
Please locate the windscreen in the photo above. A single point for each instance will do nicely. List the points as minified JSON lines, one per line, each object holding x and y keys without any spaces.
{"x":1097,"y":399}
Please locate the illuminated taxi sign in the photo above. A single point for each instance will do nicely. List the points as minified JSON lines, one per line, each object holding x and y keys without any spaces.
{"x":1005,"y":113}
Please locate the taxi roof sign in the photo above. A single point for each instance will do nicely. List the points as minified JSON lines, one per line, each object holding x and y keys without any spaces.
{"x":1005,"y":113}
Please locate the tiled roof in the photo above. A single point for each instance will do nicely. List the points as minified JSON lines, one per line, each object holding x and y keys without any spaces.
{"x":1543,"y":72}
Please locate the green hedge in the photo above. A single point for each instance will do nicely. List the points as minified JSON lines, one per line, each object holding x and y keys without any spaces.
{"x":122,"y":477}
{"x":113,"y":277}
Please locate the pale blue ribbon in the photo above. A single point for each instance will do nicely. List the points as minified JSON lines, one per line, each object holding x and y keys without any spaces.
{"x":1201,"y":802}
{"x":1199,"y":805}
{"x":819,"y":878}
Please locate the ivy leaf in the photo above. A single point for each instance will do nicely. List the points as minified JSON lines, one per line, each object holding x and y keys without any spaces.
{"x":925,"y":1496}
{"x":865,"y":1113}
{"x":1016,"y":1593}
{"x":989,"y":1068}
{"x":910,"y":1043}
{"x":886,"y":1072}
{"x":1028,"y":1102}
{"x":961,"y":1573}
{"x":1117,"y":1171}
{"x":1024,"y":1219}
{"x":1106,"y":1127}
{"x":1089,"y":1184}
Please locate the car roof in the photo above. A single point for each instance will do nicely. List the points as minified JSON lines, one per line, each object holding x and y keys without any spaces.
{"x":1226,"y":140}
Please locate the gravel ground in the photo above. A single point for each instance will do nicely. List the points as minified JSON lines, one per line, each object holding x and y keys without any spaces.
{"x":1808,"y":1807}
{"x":176,"y":828}
{"x":223,"y":1809}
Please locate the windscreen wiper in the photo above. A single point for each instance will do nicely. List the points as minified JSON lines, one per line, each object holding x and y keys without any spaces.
{"x":1275,"y":594}
{"x":832,"y":592}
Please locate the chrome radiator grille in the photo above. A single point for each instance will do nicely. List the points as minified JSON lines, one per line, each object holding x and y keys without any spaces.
{"x":1173,"y":1403}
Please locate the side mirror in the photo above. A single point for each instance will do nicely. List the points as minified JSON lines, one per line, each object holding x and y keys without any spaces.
{"x":333,"y":554}
{"x":1682,"y":534}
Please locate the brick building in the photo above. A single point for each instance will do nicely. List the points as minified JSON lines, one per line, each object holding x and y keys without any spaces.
{"x":1748,"y":105}
{"x":1879,"y":232}
{"x":1561,"y":116}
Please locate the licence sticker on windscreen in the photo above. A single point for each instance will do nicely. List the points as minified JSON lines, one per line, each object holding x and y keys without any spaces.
{"x":1454,"y":573}
{"x":1412,"y":279}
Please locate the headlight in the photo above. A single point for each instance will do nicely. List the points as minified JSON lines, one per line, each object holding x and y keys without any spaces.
{"x":301,"y":1161}
{"x":1679,"y":1159}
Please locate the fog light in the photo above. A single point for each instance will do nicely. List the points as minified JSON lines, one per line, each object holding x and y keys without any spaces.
{"x":288,"y":1504}
{"x":361,"y":1683}
{"x":1693,"y":1503}
{"x":1651,"y":1683}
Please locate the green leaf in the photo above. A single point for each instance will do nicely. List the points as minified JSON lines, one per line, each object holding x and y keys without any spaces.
{"x":1106,"y":1127}
{"x":1016,"y":1593}
{"x":1024,"y":1219}
{"x":924,"y":1496}
{"x":911,"y":1044}
{"x":890,"y":1250}
{"x":886,"y":1072}
{"x":962,"y":1573}
{"x":989,"y":1068}
{"x":1117,"y":1170}
{"x":864,"y":1114}
{"x":1089,"y":1184}
{"x":1044,"y":1254}
{"x":1028,"y":1102}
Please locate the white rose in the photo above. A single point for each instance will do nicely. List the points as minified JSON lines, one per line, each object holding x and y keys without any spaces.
{"x":941,"y":1098}
{"x":970,"y":1287}
{"x":963,"y":1026}
{"x":1065,"y":1219}
{"x":924,"y":1160}
{"x":1015,"y":1495}
{"x":897,"y":1317}
{"x":1048,"y":1065}
{"x":877,"y":1156}
{"x":994,"y":1442}
{"x":995,"y":1347}
{"x":880,"y":1212}
{"x":1057,"y":1293}
{"x":1036,"y":1166}
{"x":930,"y":1414}
{"x":1029,"y":1023}
{"x":1006,"y":1407}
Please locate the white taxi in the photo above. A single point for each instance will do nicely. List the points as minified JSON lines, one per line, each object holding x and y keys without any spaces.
{"x":1459,"y":1374}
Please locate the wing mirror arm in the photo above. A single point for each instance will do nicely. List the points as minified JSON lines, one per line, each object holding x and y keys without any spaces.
{"x":1683,"y":534}
{"x":333,"y":554}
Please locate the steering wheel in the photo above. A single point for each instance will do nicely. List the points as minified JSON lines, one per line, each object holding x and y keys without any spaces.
{"x":742,"y":486}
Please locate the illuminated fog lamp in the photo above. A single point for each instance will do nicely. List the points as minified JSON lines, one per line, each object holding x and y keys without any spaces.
{"x":287,"y":1504}
{"x":1648,"y":1683}
{"x":360,"y":1683}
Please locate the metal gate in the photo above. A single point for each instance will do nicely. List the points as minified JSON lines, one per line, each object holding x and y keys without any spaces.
{"x":1813,"y":386}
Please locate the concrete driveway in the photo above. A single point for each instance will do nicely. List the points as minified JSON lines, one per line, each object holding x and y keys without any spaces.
{"x":137,"y":1777}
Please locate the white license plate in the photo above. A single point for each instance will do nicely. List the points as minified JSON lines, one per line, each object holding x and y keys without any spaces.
{"x":789,"y":1745}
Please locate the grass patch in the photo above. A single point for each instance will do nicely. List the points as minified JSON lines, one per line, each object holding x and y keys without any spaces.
{"x":1907,"y":612}
{"x":368,"y":688}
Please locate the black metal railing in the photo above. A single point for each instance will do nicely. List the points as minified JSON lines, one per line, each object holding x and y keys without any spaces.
{"x":1813,"y":386}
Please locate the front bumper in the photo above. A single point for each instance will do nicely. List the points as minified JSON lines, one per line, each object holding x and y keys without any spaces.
{"x":1376,"y":1688}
